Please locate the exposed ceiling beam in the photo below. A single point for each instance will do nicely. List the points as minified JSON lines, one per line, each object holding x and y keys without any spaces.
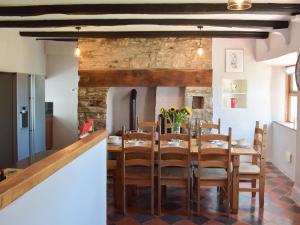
{"x":58,"y":39}
{"x":186,"y":8}
{"x":151,"y":34}
{"x":116,"y":22}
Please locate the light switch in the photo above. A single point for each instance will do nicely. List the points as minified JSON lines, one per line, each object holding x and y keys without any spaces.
{"x":288,"y":157}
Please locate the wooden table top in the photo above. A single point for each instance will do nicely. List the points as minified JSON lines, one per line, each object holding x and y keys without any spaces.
{"x":194,"y":149}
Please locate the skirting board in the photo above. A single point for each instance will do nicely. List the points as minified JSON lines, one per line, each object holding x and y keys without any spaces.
{"x":296,"y":195}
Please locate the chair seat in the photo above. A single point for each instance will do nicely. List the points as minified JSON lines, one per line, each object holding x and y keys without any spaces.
{"x":249,"y":169}
{"x":174,"y":172}
{"x":212,"y":174}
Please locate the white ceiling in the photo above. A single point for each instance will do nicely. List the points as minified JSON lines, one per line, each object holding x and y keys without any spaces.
{"x":142,"y":16}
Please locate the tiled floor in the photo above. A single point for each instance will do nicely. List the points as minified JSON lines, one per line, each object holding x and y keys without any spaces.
{"x":279,"y":208}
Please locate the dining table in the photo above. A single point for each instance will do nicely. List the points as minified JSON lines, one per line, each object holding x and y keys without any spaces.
{"x":236,"y":153}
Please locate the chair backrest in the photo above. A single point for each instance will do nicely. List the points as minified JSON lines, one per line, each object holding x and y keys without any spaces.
{"x":260,"y":143}
{"x":148,"y":125}
{"x":174,"y":156}
{"x":212,"y":156}
{"x":138,"y":155}
{"x":212,"y":126}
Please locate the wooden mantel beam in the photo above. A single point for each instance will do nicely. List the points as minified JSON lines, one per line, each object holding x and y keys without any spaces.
{"x":150,"y":34}
{"x":183,"y":8}
{"x":145,"y":78}
{"x":117,"y":22}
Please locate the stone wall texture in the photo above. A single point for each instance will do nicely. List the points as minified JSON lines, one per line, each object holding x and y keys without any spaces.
{"x":140,"y":53}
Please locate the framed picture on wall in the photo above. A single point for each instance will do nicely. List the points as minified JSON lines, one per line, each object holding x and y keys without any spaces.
{"x":234,"y":60}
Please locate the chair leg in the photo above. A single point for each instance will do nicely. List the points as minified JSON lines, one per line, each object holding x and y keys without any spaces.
{"x":198,"y":199}
{"x":228,"y":195}
{"x":124,"y":200}
{"x":164,"y":193}
{"x":261,"y":191}
{"x":159,"y":199}
{"x":152,"y":200}
{"x":115,"y":188}
{"x":222,"y":194}
{"x":188,"y":194}
{"x":253,"y":185}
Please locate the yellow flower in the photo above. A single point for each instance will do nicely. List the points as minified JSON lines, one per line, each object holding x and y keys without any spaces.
{"x":172,"y":109}
{"x":162,"y":110}
{"x":188,"y":110}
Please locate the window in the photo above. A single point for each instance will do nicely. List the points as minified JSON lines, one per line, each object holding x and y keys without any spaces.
{"x":291,"y":96}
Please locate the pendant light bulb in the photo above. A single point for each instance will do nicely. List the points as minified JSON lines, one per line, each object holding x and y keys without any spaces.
{"x":77,"y":52}
{"x":200,"y":51}
{"x":77,"y":49}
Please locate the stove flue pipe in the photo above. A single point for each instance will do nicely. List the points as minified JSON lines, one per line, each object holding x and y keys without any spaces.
{"x":132,"y":115}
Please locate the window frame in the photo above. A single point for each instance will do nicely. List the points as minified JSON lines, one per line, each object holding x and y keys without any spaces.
{"x":289,"y":93}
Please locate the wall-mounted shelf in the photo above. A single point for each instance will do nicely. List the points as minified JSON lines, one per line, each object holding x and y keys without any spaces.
{"x":234,"y":93}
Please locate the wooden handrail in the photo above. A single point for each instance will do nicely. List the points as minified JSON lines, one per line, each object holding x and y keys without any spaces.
{"x":23,"y":181}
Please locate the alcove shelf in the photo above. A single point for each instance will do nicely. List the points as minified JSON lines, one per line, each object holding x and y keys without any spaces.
{"x":234,"y":93}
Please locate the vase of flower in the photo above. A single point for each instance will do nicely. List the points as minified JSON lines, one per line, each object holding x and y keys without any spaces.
{"x":176,"y":128}
{"x":175,"y":117}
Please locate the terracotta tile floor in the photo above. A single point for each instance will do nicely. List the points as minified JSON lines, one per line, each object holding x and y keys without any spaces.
{"x":279,"y":208}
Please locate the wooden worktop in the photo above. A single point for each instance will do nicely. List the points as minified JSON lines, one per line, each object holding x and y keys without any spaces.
{"x":23,"y":181}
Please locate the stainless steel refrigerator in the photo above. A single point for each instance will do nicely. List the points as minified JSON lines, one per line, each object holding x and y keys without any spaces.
{"x":22,"y":117}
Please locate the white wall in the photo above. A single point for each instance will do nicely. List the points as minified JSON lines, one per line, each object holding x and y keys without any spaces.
{"x":21,"y":54}
{"x":74,"y":195}
{"x":278,"y":94}
{"x":61,"y":88}
{"x":283,"y":140}
{"x":118,"y":100}
{"x":296,"y":189}
{"x":258,"y":77}
{"x":281,"y":45}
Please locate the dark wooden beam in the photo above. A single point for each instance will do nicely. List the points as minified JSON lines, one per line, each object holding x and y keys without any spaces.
{"x":117,"y":22}
{"x":58,"y":39}
{"x":184,"y":8}
{"x":145,"y":78}
{"x":149,"y":34}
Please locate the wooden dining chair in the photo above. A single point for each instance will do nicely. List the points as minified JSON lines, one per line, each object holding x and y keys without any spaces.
{"x":138,"y":163}
{"x":251,"y":172}
{"x":148,"y":125}
{"x":212,"y":126}
{"x":214,"y":165}
{"x":174,"y":164}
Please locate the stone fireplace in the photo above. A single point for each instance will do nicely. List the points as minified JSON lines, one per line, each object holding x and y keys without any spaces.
{"x":169,"y":54}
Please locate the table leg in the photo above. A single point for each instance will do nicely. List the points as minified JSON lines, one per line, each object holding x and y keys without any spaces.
{"x":119,"y":184}
{"x":235,"y":184}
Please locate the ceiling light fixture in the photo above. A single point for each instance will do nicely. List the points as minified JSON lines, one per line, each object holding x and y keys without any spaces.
{"x":77,"y":49}
{"x":200,"y":50}
{"x":239,"y":4}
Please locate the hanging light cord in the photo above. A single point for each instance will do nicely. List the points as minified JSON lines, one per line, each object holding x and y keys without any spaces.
{"x":78,"y":29}
{"x":200,"y":28}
